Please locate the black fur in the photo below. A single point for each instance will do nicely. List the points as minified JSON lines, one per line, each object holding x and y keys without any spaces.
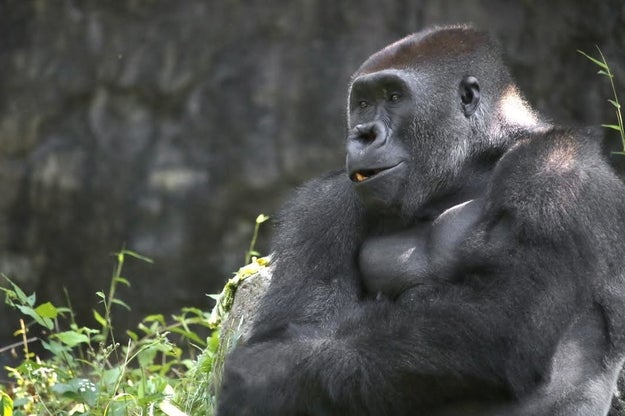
{"x":515,"y":310}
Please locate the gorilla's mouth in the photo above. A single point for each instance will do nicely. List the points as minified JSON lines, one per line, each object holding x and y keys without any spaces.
{"x":366,"y":174}
{"x":363,"y":175}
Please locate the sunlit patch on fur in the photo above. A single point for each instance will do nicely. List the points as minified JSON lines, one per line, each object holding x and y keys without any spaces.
{"x":561,"y":158}
{"x":405,"y":256}
{"x":514,"y":110}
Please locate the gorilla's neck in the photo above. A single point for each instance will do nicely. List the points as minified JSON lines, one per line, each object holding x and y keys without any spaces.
{"x":471,"y":182}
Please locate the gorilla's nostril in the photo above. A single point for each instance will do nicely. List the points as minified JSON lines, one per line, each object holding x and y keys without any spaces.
{"x":368,"y":136}
{"x":367,"y":133}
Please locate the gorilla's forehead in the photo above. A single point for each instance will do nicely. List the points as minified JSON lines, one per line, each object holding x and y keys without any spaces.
{"x":427,"y":48}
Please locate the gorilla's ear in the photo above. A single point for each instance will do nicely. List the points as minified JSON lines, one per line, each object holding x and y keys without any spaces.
{"x":469,"y":95}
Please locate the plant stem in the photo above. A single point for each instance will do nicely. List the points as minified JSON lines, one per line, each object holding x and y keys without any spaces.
{"x":251,"y":252}
{"x":109,"y":301}
{"x":619,"y":115}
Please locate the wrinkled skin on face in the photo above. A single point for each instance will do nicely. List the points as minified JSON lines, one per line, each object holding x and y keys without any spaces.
{"x":394,"y":129}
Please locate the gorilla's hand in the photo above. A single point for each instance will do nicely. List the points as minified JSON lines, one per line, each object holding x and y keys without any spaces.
{"x":259,"y":380}
{"x":253,"y":381}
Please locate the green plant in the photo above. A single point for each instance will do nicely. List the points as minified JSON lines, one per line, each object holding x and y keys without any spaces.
{"x":89,"y":372}
{"x":251,"y":252}
{"x":605,"y":70}
{"x":165,"y":366}
{"x":196,"y":394}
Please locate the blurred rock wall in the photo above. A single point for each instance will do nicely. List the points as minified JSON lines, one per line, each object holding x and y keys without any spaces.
{"x":166,"y":126}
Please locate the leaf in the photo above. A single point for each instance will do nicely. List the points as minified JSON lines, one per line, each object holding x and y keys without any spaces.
{"x":146,"y":356}
{"x":62,"y":309}
{"x":602,"y":72}
{"x":47,"y":310}
{"x":615,"y":104}
{"x":121,"y":303}
{"x":79,"y":408}
{"x":195,"y":311}
{"x":6,"y":404}
{"x":55,"y":347}
{"x":79,"y":389}
{"x":101,"y":295}
{"x":72,"y":338}
{"x":110,"y":377}
{"x":595,"y":61}
{"x":157,"y":317}
{"x":100,"y":319}
{"x":169,"y":409}
{"x":189,"y":335}
{"x":20,"y":293}
{"x":27,"y":310}
{"x":122,"y":280}
{"x":137,"y":256}
{"x":263,"y":261}
{"x":611,"y":126}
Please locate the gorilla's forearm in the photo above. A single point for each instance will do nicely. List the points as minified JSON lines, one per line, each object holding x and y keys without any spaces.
{"x":377,"y":358}
{"x":308,"y":284}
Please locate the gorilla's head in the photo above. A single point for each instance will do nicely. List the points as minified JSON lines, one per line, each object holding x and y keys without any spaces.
{"x":424,"y":114}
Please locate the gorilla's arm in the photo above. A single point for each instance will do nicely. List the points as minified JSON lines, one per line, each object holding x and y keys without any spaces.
{"x":314,"y":281}
{"x":446,"y":344}
{"x":315,"y":247}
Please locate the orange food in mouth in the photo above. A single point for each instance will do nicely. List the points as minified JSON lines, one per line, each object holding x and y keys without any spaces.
{"x":363,"y":175}
{"x":359,"y":177}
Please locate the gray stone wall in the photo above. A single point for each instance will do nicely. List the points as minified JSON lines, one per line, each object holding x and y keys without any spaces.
{"x":167,"y":126}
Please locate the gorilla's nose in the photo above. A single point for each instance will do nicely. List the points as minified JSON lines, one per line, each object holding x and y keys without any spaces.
{"x":368,"y":133}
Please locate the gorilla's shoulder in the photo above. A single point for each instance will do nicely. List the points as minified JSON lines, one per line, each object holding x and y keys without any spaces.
{"x":540,"y":162}
{"x":557,"y":176}
{"x":321,"y":196}
{"x":319,"y":209}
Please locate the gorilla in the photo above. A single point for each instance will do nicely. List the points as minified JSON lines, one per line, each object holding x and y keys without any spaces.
{"x":469,"y":260}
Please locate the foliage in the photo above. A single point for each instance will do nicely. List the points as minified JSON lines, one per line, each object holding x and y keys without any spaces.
{"x":605,"y":71}
{"x":225,"y":299}
{"x":164,"y":367}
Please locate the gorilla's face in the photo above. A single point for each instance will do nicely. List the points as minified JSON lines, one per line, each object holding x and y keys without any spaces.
{"x":378,"y":158}
{"x":408,"y":137}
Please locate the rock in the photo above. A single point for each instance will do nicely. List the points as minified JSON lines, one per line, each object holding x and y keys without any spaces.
{"x":236,"y":327}
{"x":246,"y":301}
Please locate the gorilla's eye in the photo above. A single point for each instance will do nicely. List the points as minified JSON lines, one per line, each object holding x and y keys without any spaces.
{"x":363,"y":104}
{"x":394,"y":97}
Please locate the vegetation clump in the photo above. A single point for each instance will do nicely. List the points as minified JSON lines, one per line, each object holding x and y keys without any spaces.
{"x":163,"y":367}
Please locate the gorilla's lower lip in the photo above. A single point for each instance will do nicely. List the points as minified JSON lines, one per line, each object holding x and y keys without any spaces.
{"x":364,"y":175}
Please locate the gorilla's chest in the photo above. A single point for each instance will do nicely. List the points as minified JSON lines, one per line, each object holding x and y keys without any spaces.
{"x":392,"y":263}
{"x":389,"y":264}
